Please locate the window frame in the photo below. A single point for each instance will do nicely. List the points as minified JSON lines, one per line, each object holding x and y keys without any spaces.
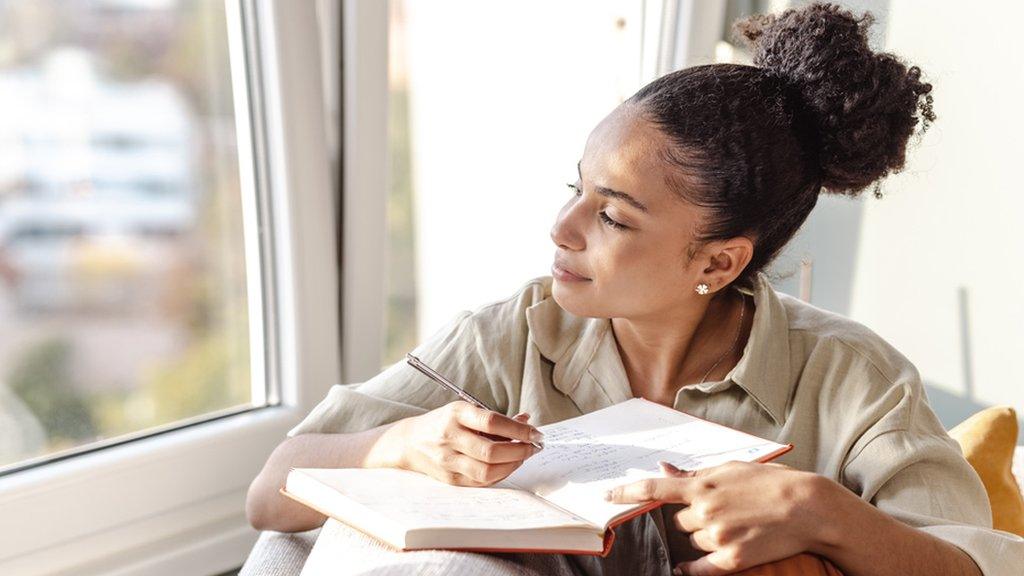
{"x":173,"y":502}
{"x":365,"y":179}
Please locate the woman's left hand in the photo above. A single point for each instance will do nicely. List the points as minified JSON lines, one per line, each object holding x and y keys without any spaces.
{"x":742,"y":513}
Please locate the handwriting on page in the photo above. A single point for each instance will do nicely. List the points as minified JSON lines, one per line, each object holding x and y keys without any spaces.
{"x":584,"y":456}
{"x":581,"y":456}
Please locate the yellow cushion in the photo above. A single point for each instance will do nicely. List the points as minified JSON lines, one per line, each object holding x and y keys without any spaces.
{"x":988,"y":439}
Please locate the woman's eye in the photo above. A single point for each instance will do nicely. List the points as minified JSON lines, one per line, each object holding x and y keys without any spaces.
{"x":611,"y":222}
{"x":604,"y":217}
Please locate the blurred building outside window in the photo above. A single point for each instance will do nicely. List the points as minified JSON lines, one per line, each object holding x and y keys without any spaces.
{"x":123,"y":305}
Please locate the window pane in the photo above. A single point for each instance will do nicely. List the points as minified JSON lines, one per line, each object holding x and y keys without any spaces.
{"x":122,"y":279}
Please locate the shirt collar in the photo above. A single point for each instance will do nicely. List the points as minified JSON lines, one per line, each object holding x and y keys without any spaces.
{"x":588,"y":367}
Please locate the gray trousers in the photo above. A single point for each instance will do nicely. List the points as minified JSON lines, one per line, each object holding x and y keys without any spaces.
{"x":638,"y":550}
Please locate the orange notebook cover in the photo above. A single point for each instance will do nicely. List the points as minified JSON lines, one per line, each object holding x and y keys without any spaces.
{"x":556,"y":494}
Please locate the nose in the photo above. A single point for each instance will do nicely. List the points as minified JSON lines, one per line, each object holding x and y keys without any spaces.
{"x":566,"y":232}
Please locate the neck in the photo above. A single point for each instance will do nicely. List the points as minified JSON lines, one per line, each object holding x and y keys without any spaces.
{"x":664,"y":352}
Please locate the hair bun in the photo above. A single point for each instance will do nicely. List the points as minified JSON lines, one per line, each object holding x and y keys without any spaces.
{"x":865,"y":105}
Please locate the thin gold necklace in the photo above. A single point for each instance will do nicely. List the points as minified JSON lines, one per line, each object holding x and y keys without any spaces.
{"x":739,"y":330}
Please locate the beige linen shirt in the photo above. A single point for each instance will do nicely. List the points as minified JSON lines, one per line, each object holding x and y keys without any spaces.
{"x":851,"y":405}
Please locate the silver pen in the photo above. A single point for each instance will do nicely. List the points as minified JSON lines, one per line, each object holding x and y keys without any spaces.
{"x":433,"y":375}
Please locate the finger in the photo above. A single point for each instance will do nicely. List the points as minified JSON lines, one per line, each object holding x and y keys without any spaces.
{"x":438,"y":472}
{"x":455,"y":463}
{"x":665,"y":489}
{"x":670,"y":469}
{"x":478,"y":471}
{"x":494,"y":423}
{"x":689,"y":519}
{"x":717,"y":563}
{"x":490,"y":451}
{"x":522,"y":417}
{"x":700,"y":540}
{"x":458,"y":479}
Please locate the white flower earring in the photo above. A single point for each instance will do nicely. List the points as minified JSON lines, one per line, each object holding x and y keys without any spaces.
{"x":703,"y":288}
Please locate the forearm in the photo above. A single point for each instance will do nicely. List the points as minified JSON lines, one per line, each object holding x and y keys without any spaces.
{"x":268,"y":509}
{"x":860,"y":540}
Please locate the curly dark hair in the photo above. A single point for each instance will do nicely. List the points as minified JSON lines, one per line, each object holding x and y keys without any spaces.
{"x":818,"y":110}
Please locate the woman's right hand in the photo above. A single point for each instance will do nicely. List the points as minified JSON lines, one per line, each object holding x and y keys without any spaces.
{"x":446,"y":444}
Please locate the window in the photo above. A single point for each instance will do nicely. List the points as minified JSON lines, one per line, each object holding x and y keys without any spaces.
{"x":253,"y":191}
{"x":122,"y":262}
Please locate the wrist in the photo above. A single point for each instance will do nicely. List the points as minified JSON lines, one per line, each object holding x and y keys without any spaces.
{"x":387,"y":451}
{"x":830,"y":514}
{"x":857,"y":537}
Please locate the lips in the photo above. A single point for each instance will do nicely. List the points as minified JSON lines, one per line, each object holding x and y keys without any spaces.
{"x":561,"y":264}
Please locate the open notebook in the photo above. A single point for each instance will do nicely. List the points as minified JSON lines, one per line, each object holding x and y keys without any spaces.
{"x":553,"y":503}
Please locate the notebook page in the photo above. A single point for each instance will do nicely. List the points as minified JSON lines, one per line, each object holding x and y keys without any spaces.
{"x":415,"y":500}
{"x":587,"y":455}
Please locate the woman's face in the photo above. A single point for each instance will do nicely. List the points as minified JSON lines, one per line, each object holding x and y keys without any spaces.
{"x":641,"y":269}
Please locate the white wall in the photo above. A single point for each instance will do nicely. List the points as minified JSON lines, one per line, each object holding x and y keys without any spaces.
{"x":502,"y":99}
{"x":932,"y":267}
{"x":938,"y":270}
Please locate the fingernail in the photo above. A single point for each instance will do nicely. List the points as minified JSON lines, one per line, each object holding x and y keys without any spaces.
{"x":536,"y":436}
{"x":677,"y":571}
{"x":670,"y":468}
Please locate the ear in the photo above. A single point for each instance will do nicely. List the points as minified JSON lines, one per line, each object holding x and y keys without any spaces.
{"x":726,"y":261}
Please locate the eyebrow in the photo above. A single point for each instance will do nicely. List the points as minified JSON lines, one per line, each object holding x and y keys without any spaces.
{"x":614,"y":193}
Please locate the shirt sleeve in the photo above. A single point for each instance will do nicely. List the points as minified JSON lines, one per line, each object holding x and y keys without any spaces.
{"x":401,"y":391}
{"x":918,"y":475}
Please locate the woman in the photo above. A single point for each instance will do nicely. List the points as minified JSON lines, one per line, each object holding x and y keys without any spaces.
{"x":685,"y":193}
